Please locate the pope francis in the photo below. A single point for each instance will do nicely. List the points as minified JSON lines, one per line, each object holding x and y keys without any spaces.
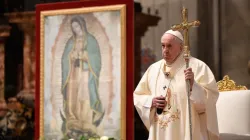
{"x":163,"y":86}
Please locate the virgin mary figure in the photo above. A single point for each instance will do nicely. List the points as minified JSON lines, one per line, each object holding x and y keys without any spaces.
{"x":81,"y":66}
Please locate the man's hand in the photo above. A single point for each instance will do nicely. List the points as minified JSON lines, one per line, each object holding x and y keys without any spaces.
{"x":189,"y":75}
{"x":159,"y":102}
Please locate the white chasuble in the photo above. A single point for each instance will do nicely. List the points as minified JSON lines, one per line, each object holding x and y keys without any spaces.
{"x":173,"y":123}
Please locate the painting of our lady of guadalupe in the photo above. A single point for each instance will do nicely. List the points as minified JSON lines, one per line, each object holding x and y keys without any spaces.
{"x":82,"y":73}
{"x":81,"y":66}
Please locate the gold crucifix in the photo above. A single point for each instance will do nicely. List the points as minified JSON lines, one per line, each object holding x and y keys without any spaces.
{"x":185,"y":25}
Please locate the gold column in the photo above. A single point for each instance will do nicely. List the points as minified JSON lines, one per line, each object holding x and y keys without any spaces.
{"x":4,"y":33}
{"x":26,"y":22}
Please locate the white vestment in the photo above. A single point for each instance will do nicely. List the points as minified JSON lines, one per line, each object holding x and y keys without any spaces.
{"x":173,"y":123}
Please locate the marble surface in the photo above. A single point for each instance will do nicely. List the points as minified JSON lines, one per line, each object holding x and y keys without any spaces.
{"x":226,"y":136}
{"x":235,"y":34}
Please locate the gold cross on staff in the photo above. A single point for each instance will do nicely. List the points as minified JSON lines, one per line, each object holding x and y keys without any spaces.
{"x":185,"y":25}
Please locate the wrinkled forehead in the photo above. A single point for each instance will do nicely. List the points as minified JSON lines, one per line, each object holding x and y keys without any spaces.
{"x":167,"y":38}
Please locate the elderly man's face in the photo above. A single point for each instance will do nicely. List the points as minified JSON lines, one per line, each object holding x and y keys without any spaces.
{"x":171,"y":48}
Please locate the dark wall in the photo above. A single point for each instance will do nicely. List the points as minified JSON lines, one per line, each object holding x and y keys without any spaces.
{"x":13,"y":5}
{"x":13,"y":46}
{"x":13,"y":59}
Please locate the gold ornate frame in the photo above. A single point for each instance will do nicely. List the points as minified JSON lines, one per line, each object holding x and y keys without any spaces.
{"x":122,"y":9}
{"x":226,"y":84}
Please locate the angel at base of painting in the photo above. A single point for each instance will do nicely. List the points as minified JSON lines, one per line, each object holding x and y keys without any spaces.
{"x":81,"y":66}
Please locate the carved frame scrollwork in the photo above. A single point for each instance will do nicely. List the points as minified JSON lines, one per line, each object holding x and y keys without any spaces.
{"x":226,"y":84}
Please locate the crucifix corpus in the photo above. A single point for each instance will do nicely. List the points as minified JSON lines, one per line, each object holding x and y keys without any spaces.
{"x":184,"y":26}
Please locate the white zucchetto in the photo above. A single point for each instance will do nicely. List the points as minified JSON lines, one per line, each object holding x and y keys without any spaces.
{"x":175,"y":33}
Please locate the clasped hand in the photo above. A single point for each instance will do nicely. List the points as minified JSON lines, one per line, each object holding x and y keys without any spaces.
{"x":159,"y":102}
{"x":79,"y":55}
{"x":189,"y":75}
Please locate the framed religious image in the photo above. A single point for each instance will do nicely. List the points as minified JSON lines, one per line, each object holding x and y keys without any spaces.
{"x":84,"y":81}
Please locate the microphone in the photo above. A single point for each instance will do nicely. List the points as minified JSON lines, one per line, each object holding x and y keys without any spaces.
{"x":159,"y":111}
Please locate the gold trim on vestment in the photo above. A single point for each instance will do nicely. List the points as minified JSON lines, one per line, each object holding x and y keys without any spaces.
{"x":164,"y":120}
